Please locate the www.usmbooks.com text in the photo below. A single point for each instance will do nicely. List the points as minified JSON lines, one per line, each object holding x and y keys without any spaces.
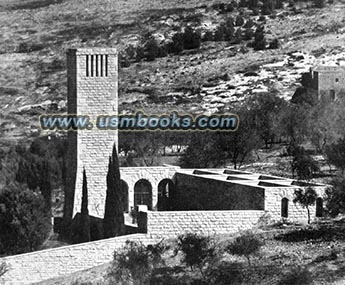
{"x":140,"y":121}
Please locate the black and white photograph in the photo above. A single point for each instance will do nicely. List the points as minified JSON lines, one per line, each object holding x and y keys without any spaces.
{"x":172,"y":142}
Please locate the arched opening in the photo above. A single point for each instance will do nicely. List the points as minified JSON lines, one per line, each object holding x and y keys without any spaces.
{"x":285,"y":207}
{"x":124,"y":190}
{"x":165,"y":188}
{"x":143,"y":193}
{"x":319,"y":207}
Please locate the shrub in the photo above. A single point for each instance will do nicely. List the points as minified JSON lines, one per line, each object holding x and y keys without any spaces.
{"x":248,"y":34}
{"x":197,"y":250}
{"x":176,"y":46}
{"x":239,"y":20}
{"x":225,"y":31}
{"x":259,"y":39}
{"x":153,"y":50}
{"x":319,"y":3}
{"x":208,"y":36}
{"x":135,"y":262}
{"x":191,"y":38}
{"x":274,"y":44}
{"x":297,"y":276}
{"x":25,"y":223}
{"x":245,"y":245}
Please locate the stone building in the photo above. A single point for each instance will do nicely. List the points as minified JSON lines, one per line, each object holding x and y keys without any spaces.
{"x":328,"y":81}
{"x":92,"y":91}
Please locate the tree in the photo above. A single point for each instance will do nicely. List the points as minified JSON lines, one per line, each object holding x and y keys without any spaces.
{"x":202,"y":152}
{"x":84,"y":219}
{"x":113,"y":222}
{"x":265,"y":110}
{"x":25,"y":223}
{"x":336,"y":154}
{"x":335,"y":197}
{"x":302,"y":163}
{"x":246,"y":245}
{"x":197,"y":251}
{"x":135,"y":262}
{"x":259,"y":38}
{"x":305,"y":198}
{"x":143,"y":144}
{"x":292,"y":123}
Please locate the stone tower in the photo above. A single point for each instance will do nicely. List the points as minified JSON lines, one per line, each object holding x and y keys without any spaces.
{"x":92,"y":90}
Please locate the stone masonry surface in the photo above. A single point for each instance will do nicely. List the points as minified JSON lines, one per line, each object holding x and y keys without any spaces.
{"x":172,"y":224}
{"x":45,"y":264}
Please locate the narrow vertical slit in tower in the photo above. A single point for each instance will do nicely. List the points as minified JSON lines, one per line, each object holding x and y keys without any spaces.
{"x":101,"y":60}
{"x":87,"y":65}
{"x":106,"y":65}
{"x":92,"y":61}
{"x":96,"y":63}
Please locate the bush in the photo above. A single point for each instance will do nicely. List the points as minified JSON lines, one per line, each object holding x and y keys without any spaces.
{"x":135,"y":262}
{"x":176,"y":46}
{"x":197,"y":250}
{"x":225,"y":31}
{"x":297,"y":276}
{"x":239,"y":21}
{"x":245,"y":245}
{"x":191,"y":38}
{"x":319,"y":3}
{"x":153,"y":50}
{"x":274,"y":44}
{"x":208,"y":36}
{"x":25,"y":223}
{"x":259,"y":39}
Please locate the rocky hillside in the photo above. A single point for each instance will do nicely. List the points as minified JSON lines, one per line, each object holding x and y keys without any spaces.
{"x":35,"y":35}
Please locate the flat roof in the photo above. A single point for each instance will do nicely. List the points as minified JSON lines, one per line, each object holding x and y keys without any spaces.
{"x":250,"y":179}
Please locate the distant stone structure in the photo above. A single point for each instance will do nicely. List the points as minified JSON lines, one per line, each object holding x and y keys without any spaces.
{"x":328,"y":81}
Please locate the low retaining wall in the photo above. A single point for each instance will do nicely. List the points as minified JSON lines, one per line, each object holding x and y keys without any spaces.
{"x":45,"y":264}
{"x":171,"y":224}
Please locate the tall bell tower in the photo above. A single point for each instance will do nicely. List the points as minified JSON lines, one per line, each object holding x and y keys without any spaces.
{"x":92,"y":90}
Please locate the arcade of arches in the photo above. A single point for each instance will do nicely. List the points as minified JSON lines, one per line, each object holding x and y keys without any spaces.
{"x":144,"y":191}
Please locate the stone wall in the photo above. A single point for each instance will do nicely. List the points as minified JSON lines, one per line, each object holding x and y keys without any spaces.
{"x":296,"y":213}
{"x":172,"y":224}
{"x":209,"y":192}
{"x":45,"y":264}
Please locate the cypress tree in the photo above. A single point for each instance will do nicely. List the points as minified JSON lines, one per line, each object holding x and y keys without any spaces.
{"x":85,"y":235}
{"x":113,"y":222}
